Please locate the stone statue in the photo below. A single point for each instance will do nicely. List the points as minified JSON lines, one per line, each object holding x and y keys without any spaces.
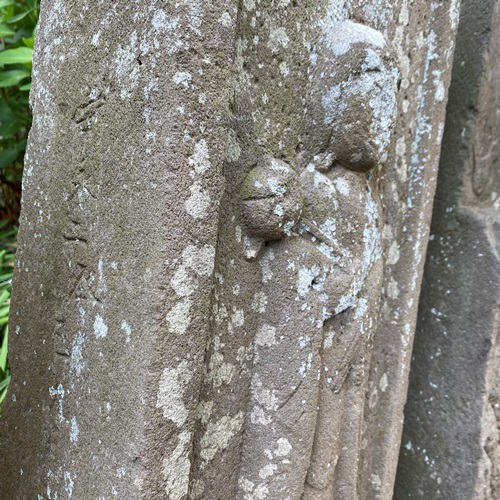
{"x":314,"y":227}
{"x":210,"y":338}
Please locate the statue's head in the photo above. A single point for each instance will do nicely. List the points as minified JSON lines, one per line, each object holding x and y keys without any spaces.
{"x":352,"y":98}
{"x":350,"y":113}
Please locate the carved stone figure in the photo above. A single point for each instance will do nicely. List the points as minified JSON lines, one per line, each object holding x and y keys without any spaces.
{"x":170,"y":345}
{"x":314,"y":227}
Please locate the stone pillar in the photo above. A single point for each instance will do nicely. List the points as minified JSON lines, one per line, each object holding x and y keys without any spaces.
{"x":450,"y":447}
{"x":225,"y":210}
{"x":116,"y":248}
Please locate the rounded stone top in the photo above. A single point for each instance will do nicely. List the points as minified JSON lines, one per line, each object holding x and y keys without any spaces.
{"x":271,"y":200}
{"x":352,"y":104}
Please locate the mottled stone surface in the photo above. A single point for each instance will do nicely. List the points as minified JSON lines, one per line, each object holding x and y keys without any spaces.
{"x":116,"y":248}
{"x":450,"y":446}
{"x":169,"y":341}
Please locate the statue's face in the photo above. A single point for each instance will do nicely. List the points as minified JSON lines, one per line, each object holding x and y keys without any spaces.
{"x":352,"y":98}
{"x":361,"y":111}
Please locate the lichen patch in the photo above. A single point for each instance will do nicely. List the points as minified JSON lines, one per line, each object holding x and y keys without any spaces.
{"x":179,"y":317}
{"x":218,"y":435}
{"x":198,"y":203}
{"x":176,"y":467}
{"x":172,"y":387}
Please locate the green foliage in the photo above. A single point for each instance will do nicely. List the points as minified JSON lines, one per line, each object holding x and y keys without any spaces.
{"x":18,"y":19}
{"x":7,"y":251}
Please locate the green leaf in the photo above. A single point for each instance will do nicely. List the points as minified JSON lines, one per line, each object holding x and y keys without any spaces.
{"x":4,"y":384}
{"x":26,"y":86}
{"x":13,"y":77}
{"x":9,"y":123}
{"x":7,"y":127}
{"x":18,"y":17}
{"x":29,"y":42}
{"x":19,"y":55}
{"x":4,"y":296}
{"x":3,"y":349}
{"x":5,"y":31}
{"x":8,"y":233}
{"x":5,"y":3}
{"x":7,"y":156}
{"x":18,"y":36}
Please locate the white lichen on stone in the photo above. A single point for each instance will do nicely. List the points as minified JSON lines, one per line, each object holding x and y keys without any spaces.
{"x":265,"y":262}
{"x":200,"y":159}
{"x":375,"y":480}
{"x":342,"y":35}
{"x":59,"y":392}
{"x":204,"y":411}
{"x":76,"y":363}
{"x":284,"y":69}
{"x":265,"y":336}
{"x":264,"y":396}
{"x":68,"y":484}
{"x":342,"y":186}
{"x":176,"y":468}
{"x":238,"y":318}
{"x":284,"y":447}
{"x":100,"y":328}
{"x":198,"y":203}
{"x":172,"y":387}
{"x":201,"y":260}
{"x":220,"y":372}
{"x":268,"y":471}
{"x":225,"y":20}
{"x":183,"y":282}
{"x":179,"y":317}
{"x":218,"y":435}
{"x":197,"y":261}
{"x":259,"y":302}
{"x":393,"y":254}
{"x":383,"y":384}
{"x":305,"y":279}
{"x":392,"y":289}
{"x":128,"y":331}
{"x":126,"y":69}
{"x":277,"y":39}
{"x":258,"y":416}
{"x":183,"y":78}
{"x":75,"y":431}
{"x":238,"y":233}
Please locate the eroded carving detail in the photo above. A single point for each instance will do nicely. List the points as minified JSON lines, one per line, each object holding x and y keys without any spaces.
{"x":271,"y":200}
{"x":321,"y":276}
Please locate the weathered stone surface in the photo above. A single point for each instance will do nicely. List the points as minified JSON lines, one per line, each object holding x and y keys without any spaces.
{"x":422,"y":36}
{"x":189,"y":334}
{"x":450,"y":447}
{"x":116,"y":248}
